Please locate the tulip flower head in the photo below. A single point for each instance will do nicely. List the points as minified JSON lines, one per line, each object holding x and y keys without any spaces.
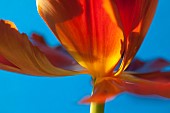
{"x":97,"y":36}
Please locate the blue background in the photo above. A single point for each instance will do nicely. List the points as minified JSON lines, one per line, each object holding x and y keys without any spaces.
{"x":26,"y":94}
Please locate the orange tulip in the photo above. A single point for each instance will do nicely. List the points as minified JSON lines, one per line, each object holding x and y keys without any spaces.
{"x":98,"y":35}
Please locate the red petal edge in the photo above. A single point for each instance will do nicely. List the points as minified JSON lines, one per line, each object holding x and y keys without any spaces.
{"x":157,"y":83}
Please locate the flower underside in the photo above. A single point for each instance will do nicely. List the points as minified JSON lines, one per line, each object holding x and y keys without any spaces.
{"x":99,"y":38}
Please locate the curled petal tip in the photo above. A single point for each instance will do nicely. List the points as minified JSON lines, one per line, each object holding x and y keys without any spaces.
{"x":11,"y":24}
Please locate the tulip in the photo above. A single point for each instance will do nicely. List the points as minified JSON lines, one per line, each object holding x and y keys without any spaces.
{"x":99,"y":38}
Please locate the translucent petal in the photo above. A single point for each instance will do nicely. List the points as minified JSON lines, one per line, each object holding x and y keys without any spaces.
{"x":157,"y":83}
{"x":87,"y":32}
{"x":18,"y":50}
{"x":58,"y":56}
{"x":139,"y":66}
{"x":136,"y":17}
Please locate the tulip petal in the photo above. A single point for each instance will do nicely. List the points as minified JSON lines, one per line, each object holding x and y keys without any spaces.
{"x":130,"y":12}
{"x":18,"y":50}
{"x":134,"y":12}
{"x":135,"y":65}
{"x":86,"y":31}
{"x":58,"y":56}
{"x":157,"y":83}
{"x":149,"y":66}
{"x":6,"y":62}
{"x":104,"y":90}
{"x":135,"y":25}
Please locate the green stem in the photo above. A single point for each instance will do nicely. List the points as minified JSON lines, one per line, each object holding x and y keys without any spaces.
{"x":97,"y":108}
